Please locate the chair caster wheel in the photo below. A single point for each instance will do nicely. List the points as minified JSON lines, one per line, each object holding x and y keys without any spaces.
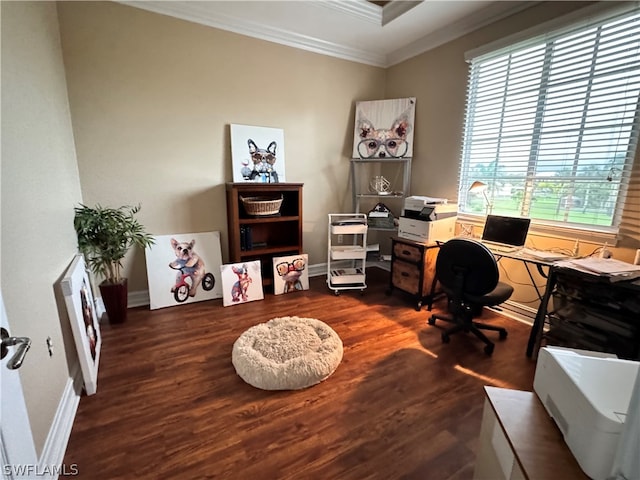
{"x":431,"y":320}
{"x":445,"y":338}
{"x":337,"y":293}
{"x":488,"y":349}
{"x":503,"y":334}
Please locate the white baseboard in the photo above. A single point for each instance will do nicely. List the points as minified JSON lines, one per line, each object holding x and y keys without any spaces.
{"x":138,"y":299}
{"x":55,"y":445}
{"x":318,"y":270}
{"x":100,"y":310}
{"x":516,"y":311}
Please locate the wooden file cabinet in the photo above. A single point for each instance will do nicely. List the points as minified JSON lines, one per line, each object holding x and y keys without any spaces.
{"x":413,"y":269}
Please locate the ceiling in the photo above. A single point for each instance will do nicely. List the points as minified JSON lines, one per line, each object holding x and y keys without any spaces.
{"x":356,"y":30}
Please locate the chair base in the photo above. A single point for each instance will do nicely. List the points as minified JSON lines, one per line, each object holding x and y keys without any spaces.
{"x":468,"y":325}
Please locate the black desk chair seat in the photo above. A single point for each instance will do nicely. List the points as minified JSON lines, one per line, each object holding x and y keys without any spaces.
{"x":468,"y":273}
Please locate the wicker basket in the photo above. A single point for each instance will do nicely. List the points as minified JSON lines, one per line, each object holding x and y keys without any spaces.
{"x":258,"y":206}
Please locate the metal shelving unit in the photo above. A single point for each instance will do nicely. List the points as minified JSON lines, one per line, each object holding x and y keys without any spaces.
{"x":398,"y":172}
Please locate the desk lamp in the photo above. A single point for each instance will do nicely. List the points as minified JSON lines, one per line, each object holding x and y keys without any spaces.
{"x":478,"y":186}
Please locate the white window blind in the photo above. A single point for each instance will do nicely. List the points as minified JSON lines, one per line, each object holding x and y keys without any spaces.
{"x":551,"y":128}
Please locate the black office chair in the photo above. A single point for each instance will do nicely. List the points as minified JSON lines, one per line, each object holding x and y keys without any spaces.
{"x":468,"y":273}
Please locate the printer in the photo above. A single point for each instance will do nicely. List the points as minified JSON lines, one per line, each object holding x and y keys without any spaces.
{"x":594,"y":398}
{"x":428,"y":219}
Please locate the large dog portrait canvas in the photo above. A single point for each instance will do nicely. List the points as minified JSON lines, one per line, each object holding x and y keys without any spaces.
{"x":80,"y":303}
{"x":290,"y":274}
{"x":184,"y":268}
{"x":384,"y":128}
{"x":241,"y":282}
{"x":257,"y":154}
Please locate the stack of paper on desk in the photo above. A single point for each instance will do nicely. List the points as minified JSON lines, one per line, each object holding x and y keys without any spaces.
{"x":615,"y":269}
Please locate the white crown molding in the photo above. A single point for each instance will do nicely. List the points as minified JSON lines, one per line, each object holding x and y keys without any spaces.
{"x":193,"y":12}
{"x":456,"y":30}
{"x":201,"y":13}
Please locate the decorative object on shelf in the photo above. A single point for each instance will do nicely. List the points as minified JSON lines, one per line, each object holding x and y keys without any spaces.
{"x":84,"y":323}
{"x":380,"y":185}
{"x":380,"y":216}
{"x":257,"y":154}
{"x":105,"y":235}
{"x":290,"y":274}
{"x":241,"y":282}
{"x":184,"y":268}
{"x":384,"y":128}
{"x":261,"y":206}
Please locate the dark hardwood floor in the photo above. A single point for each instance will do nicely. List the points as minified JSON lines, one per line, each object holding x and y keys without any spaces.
{"x":400,"y":405}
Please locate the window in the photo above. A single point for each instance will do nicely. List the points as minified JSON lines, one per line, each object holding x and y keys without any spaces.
{"x":552,"y":125}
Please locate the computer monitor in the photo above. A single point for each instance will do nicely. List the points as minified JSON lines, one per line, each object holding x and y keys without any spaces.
{"x":506,"y":230}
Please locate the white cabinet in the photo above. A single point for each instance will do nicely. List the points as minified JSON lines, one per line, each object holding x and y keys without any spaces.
{"x":347,"y":251}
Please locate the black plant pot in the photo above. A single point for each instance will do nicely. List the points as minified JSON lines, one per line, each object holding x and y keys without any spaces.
{"x":114,"y":297}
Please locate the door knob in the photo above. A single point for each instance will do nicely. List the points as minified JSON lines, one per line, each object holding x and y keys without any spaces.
{"x":22,"y":343}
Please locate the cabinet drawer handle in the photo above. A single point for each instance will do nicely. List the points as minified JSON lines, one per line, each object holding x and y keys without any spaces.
{"x":406,"y":252}
{"x":404,"y":274}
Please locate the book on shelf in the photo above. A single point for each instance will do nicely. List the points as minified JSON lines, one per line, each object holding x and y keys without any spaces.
{"x":246,"y":242}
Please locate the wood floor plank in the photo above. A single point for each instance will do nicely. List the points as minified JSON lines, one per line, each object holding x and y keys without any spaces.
{"x":400,"y":405}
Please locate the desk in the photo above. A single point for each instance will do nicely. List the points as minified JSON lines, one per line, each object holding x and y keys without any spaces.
{"x":544,"y":297}
{"x":518,"y":440}
{"x":528,"y":260}
{"x":589,"y":312}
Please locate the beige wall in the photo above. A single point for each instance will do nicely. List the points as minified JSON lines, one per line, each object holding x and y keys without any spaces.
{"x":438,"y":78}
{"x":152,"y":98}
{"x":40,"y":186}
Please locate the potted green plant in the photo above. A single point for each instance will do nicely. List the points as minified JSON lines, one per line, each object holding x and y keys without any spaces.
{"x":105,"y":235}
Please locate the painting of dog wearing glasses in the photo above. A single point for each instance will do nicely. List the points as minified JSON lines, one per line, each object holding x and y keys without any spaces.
{"x":290,"y":274}
{"x":384,"y":128}
{"x":257,"y":154}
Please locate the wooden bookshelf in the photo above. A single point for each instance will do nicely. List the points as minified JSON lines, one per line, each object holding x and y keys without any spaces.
{"x":264,"y":237}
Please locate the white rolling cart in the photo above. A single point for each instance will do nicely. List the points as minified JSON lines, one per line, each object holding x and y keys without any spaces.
{"x":347,"y":251}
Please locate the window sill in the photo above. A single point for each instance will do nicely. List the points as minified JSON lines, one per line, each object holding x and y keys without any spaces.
{"x":539,"y":228}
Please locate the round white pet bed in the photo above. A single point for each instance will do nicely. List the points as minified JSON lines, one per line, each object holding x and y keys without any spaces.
{"x":287,"y":353}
